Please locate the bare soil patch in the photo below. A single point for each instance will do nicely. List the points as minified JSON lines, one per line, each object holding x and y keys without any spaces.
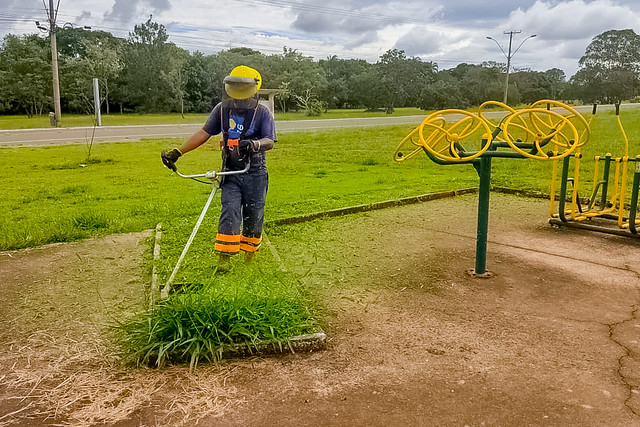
{"x":551,"y":339}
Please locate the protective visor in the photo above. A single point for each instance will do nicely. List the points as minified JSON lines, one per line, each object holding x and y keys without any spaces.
{"x":240,"y":87}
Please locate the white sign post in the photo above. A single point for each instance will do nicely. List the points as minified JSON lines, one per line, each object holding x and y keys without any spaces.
{"x":96,"y":101}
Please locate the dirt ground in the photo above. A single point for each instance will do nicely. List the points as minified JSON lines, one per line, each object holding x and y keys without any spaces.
{"x":551,"y":339}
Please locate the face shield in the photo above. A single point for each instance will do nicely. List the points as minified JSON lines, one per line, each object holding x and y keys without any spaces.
{"x":241,"y":87}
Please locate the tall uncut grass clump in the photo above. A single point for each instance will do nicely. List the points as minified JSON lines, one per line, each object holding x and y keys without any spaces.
{"x":198,"y":322}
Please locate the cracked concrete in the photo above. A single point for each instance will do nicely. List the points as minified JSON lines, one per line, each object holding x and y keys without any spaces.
{"x":626,"y":335}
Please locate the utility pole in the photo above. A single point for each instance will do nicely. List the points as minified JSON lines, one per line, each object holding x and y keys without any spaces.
{"x":52,"y":15}
{"x":54,"y":63}
{"x":510,"y":55}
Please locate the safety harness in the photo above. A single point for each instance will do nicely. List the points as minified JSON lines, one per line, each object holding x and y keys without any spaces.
{"x":229,"y":144}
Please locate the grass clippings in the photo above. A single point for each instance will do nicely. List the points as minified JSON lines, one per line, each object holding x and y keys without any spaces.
{"x":79,"y":382}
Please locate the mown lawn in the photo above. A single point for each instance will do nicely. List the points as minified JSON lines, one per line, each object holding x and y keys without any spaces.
{"x":48,"y":196}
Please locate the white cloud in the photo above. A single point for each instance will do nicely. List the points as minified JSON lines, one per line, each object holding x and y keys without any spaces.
{"x":421,"y":42}
{"x":448,"y":32}
{"x":575,"y":19}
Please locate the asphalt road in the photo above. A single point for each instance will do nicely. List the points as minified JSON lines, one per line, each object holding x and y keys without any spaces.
{"x":82,"y":135}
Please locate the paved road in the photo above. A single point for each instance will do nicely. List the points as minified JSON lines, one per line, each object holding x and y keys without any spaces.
{"x":82,"y":135}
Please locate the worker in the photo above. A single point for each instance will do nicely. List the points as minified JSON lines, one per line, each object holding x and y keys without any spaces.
{"x":248,"y":130}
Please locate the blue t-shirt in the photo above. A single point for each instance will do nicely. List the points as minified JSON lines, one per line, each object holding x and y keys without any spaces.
{"x":253,"y":123}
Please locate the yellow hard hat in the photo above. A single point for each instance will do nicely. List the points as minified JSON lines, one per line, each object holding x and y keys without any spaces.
{"x":242,"y":82}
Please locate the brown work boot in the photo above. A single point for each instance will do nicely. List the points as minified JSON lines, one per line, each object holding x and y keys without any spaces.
{"x":248,"y":257}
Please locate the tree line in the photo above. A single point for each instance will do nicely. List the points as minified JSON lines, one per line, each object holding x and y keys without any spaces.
{"x":145,"y":73}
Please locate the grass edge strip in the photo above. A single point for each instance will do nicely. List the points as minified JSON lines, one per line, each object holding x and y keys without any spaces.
{"x":371,"y":206}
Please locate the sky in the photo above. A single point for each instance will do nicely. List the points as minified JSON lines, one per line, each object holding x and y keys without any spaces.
{"x":447,"y":32}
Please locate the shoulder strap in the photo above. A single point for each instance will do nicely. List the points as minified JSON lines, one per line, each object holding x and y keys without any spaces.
{"x":224,"y":119}
{"x":253,"y":116}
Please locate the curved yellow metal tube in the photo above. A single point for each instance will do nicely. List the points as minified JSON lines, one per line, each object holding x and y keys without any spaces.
{"x":432,"y":134}
{"x":561,"y":133}
{"x":444,"y":134}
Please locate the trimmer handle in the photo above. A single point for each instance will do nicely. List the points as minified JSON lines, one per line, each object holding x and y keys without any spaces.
{"x":213,"y":174}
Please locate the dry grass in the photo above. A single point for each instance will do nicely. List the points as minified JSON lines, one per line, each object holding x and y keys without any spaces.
{"x":78,"y":382}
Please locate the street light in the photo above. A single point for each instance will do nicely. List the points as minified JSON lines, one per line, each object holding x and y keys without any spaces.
{"x":510,"y":55}
{"x":70,"y":25}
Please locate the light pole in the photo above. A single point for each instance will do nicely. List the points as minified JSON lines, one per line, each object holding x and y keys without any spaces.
{"x":510,"y":55}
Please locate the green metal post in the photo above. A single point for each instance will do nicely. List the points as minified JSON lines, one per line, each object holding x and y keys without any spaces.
{"x":563,"y":189}
{"x":605,"y":180}
{"x":483,"y":166}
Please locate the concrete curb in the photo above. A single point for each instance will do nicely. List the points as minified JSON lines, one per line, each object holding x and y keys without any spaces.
{"x":299,"y":344}
{"x":371,"y":207}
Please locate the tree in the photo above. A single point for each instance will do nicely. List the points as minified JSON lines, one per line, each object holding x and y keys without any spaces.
{"x":613,"y":49}
{"x":196,"y":84}
{"x":557,"y":80}
{"x":25,"y":69}
{"x":443,"y":93}
{"x":76,"y":85}
{"x":402,"y":78}
{"x":337,"y":93}
{"x":176,"y":74}
{"x":151,"y":65}
{"x":72,"y":41}
{"x":366,"y":89}
{"x":478,"y":83}
{"x":310,"y":103}
{"x":87,"y":55}
{"x":295,"y":74}
{"x":532,"y":86}
{"x":609,"y":68}
{"x":104,"y":53}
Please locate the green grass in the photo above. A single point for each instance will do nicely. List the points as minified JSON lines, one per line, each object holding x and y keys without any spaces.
{"x":49,"y":197}
{"x":349,"y":114}
{"x":251,"y":305}
{"x":82,"y":120}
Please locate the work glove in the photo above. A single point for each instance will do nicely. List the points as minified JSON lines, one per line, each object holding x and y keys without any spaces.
{"x":245,"y":148}
{"x":169,"y":158}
